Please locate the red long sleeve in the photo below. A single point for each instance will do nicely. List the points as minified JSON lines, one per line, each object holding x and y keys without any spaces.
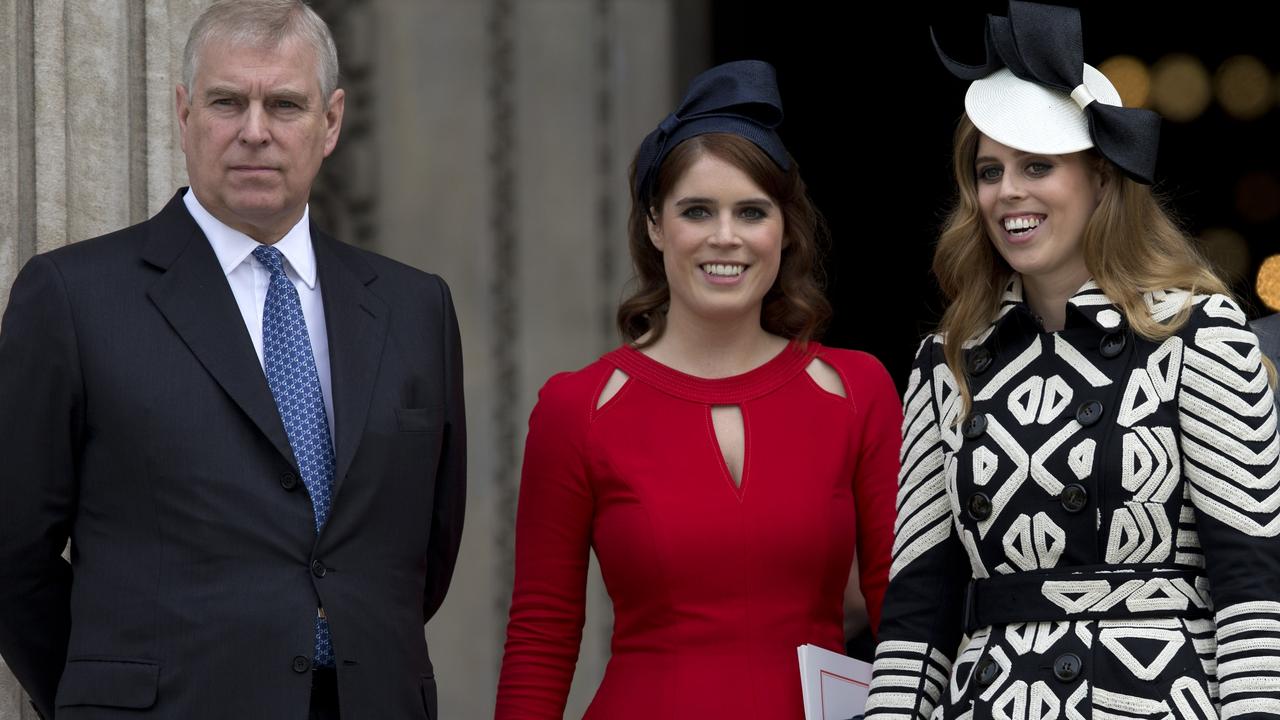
{"x":877,"y":439}
{"x":553,"y":531}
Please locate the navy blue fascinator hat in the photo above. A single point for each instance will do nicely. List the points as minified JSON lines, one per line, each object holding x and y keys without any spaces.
{"x":1035,"y":93}
{"x":739,"y":97}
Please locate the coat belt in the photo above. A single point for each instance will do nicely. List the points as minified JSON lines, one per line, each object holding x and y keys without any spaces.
{"x":1089,"y":592}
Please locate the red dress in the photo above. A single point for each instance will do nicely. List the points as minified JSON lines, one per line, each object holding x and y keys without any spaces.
{"x":713,"y":585}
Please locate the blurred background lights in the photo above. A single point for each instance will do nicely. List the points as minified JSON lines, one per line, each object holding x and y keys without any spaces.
{"x":1243,"y":87}
{"x":1269,"y":282}
{"x":1131,"y":78}
{"x":1180,"y":88}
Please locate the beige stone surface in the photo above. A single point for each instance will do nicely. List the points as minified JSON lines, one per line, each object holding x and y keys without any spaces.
{"x":97,"y":119}
{"x":50,"y":139}
{"x":11,"y":252}
{"x":583,"y":84}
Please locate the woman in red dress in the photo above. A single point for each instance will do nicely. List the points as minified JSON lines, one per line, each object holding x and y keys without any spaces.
{"x":722,"y":464}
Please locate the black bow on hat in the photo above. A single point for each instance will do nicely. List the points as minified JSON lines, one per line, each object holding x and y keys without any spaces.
{"x":1042,"y":44}
{"x":739,"y":97}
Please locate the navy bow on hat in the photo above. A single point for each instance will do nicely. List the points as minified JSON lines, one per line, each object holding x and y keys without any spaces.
{"x":1043,"y":44}
{"x":739,"y":97}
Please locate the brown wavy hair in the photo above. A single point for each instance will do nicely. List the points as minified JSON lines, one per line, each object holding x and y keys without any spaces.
{"x":795,"y":307}
{"x":1131,"y":246}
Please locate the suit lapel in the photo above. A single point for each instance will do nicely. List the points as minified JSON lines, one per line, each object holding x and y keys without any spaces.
{"x":356,"y":322}
{"x":193,"y":295}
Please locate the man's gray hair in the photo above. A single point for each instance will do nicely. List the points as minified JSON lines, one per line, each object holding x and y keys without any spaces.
{"x":263,"y":24}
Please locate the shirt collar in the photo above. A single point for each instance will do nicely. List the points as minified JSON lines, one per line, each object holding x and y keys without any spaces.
{"x":232,"y":246}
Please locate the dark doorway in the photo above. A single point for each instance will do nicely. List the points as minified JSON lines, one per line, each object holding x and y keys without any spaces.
{"x":869,"y":116}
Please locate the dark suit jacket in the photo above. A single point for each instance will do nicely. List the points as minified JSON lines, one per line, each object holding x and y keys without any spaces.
{"x":135,"y":419}
{"x":1268,"y":330}
{"x":1269,"y":340}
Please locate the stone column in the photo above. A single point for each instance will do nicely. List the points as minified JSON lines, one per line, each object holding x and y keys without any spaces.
{"x":504,"y":132}
{"x":88,"y":141}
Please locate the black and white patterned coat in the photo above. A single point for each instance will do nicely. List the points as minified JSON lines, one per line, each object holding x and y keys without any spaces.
{"x":1098,"y":539}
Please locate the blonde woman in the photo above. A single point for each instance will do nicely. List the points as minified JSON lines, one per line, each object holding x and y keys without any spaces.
{"x":1089,"y":495}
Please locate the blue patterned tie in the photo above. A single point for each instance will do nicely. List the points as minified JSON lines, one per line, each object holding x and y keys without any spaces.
{"x":295,"y":385}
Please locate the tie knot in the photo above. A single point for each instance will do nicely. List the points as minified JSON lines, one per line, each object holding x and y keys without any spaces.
{"x":270,"y":258}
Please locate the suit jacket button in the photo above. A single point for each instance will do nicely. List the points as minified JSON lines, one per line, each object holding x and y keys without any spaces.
{"x":1089,"y":413}
{"x":301,"y":664}
{"x":289,"y":481}
{"x":1074,"y":498}
{"x":978,"y":360}
{"x":986,"y":672}
{"x":974,"y":426}
{"x":1112,"y":345}
{"x":979,"y":506}
{"x":318,"y":569}
{"x":1067,"y":667}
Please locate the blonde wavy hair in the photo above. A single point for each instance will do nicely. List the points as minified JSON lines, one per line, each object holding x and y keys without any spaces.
{"x":1131,"y":246}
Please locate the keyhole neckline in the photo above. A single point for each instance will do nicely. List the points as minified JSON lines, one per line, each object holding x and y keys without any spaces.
{"x":733,"y":390}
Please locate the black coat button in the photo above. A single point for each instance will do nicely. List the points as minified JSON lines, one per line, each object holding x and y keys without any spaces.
{"x":1074,"y":498}
{"x":974,"y":426}
{"x":289,"y":481}
{"x":318,"y":569}
{"x":978,"y":360}
{"x":1067,"y":667}
{"x":1112,"y":345}
{"x":301,"y":664}
{"x":1089,"y":413}
{"x":986,"y":672}
{"x":979,"y":506}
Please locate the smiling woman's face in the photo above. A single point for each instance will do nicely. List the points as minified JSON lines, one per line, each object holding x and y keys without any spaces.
{"x":1036,"y":207}
{"x":721,"y":240}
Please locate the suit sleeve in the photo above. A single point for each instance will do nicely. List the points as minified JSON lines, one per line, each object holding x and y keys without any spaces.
{"x":449,"y":505}
{"x":878,"y":443}
{"x":1268,"y":330}
{"x":553,"y":541}
{"x":1231,"y":460}
{"x":41,"y":429}
{"x":921,"y":625}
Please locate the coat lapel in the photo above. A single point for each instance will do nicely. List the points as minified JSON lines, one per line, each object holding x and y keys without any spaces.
{"x":356,"y":322}
{"x":194,"y":297}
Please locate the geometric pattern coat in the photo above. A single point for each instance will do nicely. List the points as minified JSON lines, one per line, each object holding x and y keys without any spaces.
{"x":1098,"y":539}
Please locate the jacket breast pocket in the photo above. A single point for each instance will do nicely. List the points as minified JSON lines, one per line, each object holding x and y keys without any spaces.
{"x":420,"y":420}
{"x":109,"y":683}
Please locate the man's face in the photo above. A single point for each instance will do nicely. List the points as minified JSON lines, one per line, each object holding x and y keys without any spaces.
{"x":255,"y":129}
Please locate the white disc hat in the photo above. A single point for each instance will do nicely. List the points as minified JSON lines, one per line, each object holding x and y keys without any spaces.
{"x":1034,"y":118}
{"x":1035,"y":93}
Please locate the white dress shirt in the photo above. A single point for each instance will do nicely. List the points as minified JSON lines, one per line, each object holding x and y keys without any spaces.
{"x":249,"y":279}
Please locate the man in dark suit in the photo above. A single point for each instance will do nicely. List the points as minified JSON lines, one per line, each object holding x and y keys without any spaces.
{"x":251,"y":434}
{"x":1268,"y":330}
